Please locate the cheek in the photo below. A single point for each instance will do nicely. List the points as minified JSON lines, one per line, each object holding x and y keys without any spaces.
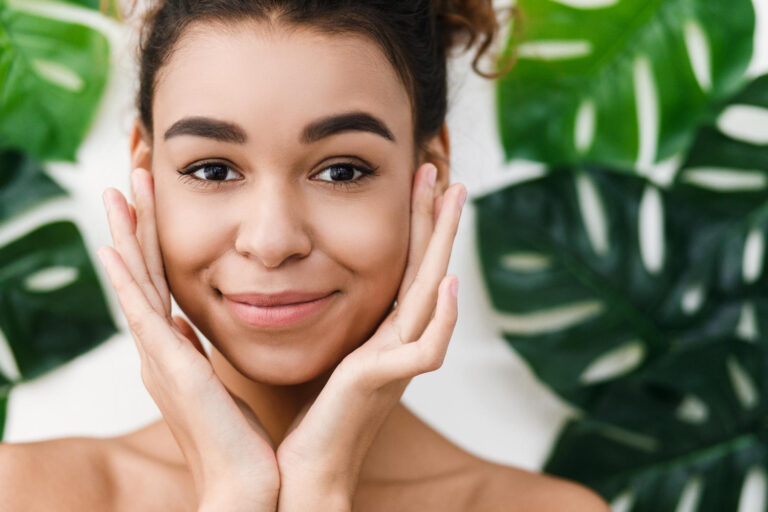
{"x":191,"y":235}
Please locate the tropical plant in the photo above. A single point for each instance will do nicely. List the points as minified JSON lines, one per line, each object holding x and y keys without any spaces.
{"x":52,"y":307}
{"x":631,"y":276}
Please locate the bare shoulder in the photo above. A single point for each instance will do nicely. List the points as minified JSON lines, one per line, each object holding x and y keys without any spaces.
{"x":58,"y":474}
{"x":510,"y":488}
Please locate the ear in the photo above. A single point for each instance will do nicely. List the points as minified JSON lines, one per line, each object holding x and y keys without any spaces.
{"x":437,"y":150}
{"x":141,"y":146}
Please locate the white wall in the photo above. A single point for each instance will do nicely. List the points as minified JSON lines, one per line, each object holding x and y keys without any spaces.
{"x":484,"y":397}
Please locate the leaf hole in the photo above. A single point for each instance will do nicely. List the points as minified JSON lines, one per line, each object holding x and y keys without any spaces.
{"x":614,"y":363}
{"x":647,"y":106}
{"x":554,"y":49}
{"x":725,"y":179}
{"x":50,"y":279}
{"x":592,"y":213}
{"x":691,"y":494}
{"x":752,"y":496}
{"x":692,"y":410}
{"x":526,"y":261}
{"x":746,"y":123}
{"x":742,"y":384}
{"x":651,"y":230}
{"x":698,"y":52}
{"x":754,"y":253}
{"x":584,"y":126}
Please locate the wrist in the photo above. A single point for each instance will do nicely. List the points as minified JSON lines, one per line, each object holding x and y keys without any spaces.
{"x":233,"y":501}
{"x":310,"y":498}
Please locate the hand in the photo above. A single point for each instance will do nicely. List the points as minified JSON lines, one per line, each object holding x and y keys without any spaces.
{"x":321,"y":456}
{"x":230,"y":455}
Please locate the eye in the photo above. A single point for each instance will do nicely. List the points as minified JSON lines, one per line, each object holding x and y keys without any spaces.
{"x":211,"y":171}
{"x":346,"y":174}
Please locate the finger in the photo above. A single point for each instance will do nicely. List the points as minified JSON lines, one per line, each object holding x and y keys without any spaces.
{"x":132,"y":212}
{"x":145,"y":323}
{"x":143,"y":189}
{"x":189,"y":333}
{"x":422,"y":223}
{"x":428,"y":352}
{"x":438,"y":204}
{"x":126,"y":244}
{"x":418,"y":304}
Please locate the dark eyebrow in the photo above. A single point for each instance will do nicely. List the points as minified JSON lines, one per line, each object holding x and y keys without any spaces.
{"x":207,"y":127}
{"x":350,"y":121}
{"x":229,"y":132}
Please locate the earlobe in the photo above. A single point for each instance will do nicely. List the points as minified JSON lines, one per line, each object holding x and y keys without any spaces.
{"x":140,"y":146}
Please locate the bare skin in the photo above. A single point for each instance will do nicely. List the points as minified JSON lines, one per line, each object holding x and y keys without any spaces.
{"x":276,"y":226}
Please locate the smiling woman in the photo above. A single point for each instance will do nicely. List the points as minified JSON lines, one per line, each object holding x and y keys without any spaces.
{"x":291,"y":191}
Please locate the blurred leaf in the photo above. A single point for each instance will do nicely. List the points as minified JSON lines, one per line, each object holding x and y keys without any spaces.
{"x":664,"y":353}
{"x":23,"y":184}
{"x":51,"y":304}
{"x":5,"y":389}
{"x":602,"y":52}
{"x":53,"y":75}
{"x":109,"y":7}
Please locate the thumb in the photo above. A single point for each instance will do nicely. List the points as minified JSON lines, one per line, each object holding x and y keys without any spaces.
{"x":189,"y":333}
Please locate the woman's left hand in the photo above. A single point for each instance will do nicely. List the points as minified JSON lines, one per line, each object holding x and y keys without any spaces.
{"x":321,"y":456}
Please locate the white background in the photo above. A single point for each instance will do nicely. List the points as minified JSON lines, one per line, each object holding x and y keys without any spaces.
{"x":484,"y":398}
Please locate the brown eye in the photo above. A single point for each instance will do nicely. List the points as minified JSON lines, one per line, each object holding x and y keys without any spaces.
{"x":344,"y":173}
{"x":214,"y":172}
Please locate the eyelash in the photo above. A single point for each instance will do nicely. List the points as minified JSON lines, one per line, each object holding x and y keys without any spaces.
{"x":186,"y":174}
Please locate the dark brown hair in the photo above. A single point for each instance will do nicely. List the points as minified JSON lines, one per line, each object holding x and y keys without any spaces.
{"x":415,"y":35}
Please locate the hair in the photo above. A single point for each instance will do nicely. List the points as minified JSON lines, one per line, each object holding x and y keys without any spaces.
{"x":417,"y":37}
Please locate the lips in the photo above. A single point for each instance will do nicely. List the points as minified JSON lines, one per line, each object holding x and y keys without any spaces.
{"x":279,"y":310}
{"x":276,"y":299}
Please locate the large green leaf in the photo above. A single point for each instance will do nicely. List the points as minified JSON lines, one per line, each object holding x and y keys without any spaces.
{"x":610,"y":50}
{"x":23,"y":184}
{"x":644,"y":307}
{"x":51,"y":304}
{"x":53,"y":74}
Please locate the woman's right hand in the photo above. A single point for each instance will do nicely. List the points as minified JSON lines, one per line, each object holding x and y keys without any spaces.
{"x":230,"y":455}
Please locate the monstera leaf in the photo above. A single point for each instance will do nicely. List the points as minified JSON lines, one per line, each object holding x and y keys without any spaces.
{"x":622,"y":83}
{"x":643,"y":304}
{"x":51,"y":304}
{"x":53,"y":74}
{"x":23,"y":184}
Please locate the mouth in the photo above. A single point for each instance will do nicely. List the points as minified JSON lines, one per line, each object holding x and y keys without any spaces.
{"x":277,"y":310}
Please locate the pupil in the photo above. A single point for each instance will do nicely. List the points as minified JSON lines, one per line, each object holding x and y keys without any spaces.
{"x":342,"y":172}
{"x":215,"y":172}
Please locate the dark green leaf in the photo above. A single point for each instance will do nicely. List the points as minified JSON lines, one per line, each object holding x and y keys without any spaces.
{"x":539,"y":100}
{"x":23,"y":184}
{"x":5,"y":389}
{"x":690,"y":400}
{"x":53,"y":75}
{"x":51,"y":304}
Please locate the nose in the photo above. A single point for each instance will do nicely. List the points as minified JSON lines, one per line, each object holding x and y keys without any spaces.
{"x":273,"y":225}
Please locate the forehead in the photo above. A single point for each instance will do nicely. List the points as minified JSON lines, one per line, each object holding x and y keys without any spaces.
{"x":277,"y":77}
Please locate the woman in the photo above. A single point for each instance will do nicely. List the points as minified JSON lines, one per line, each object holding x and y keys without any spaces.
{"x":291,"y":190}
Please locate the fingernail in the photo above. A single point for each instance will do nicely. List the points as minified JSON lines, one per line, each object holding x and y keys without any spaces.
{"x":432,"y":175}
{"x":462,"y":197}
{"x":455,"y":287}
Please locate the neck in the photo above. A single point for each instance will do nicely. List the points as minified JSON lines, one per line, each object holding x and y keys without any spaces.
{"x":275,"y":406}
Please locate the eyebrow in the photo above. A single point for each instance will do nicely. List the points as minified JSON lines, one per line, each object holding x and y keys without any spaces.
{"x":225,"y":131}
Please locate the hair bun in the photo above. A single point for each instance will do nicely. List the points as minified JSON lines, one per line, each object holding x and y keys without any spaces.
{"x":467,"y":21}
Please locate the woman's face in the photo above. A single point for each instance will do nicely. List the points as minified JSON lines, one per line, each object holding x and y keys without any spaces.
{"x":273,"y":201}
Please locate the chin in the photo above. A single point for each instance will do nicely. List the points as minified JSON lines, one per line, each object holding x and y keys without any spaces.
{"x":283,"y":366}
